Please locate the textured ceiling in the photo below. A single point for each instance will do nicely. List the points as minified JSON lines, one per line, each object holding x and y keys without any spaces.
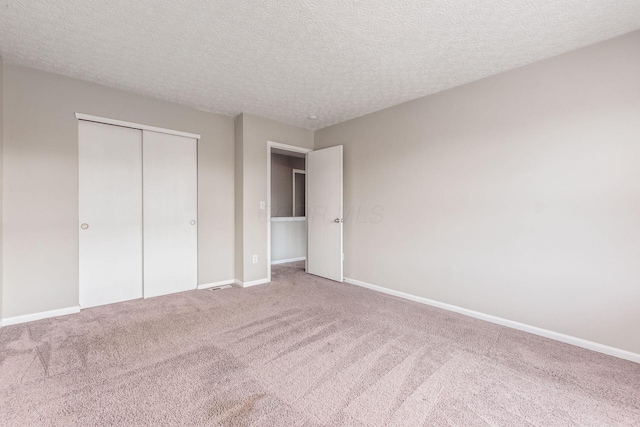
{"x":287,"y":59}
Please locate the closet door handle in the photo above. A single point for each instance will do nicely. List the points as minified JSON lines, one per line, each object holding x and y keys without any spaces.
{"x":84,"y":226}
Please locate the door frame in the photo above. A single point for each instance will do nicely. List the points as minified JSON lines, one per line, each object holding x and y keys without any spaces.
{"x":285,"y":147}
{"x":293,"y":188}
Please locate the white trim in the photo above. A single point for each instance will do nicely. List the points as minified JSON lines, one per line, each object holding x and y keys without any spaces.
{"x":281,"y":146}
{"x":252,"y":283}
{"x":268,"y":207}
{"x":39,"y":316}
{"x":288,"y":218}
{"x":568,"y":339}
{"x":284,"y":261}
{"x":122,"y":123}
{"x":287,"y":147}
{"x":216,"y":284}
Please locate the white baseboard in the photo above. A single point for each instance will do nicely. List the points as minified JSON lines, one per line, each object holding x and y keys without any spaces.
{"x":252,"y":283}
{"x":284,"y":261}
{"x":38,"y":316}
{"x":568,"y":339}
{"x":216,"y":284}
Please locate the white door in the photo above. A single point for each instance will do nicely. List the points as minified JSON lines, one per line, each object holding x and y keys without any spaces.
{"x":324,"y":213}
{"x":170,"y":193}
{"x":110,"y":207}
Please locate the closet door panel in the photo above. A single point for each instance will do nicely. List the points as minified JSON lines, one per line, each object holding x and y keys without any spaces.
{"x":170,"y":201}
{"x":110,"y":213}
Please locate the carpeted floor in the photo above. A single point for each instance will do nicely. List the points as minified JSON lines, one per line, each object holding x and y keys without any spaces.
{"x":301,"y":351}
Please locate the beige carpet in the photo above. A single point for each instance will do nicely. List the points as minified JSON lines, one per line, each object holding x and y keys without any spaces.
{"x":301,"y":351}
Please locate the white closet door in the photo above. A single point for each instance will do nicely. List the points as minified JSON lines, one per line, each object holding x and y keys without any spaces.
{"x":110,"y":207}
{"x":170,"y":193}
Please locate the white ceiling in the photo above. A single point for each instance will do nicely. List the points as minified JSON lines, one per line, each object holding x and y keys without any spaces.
{"x":287,"y":59}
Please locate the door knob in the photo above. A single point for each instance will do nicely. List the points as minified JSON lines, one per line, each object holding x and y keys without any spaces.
{"x":193,"y":222}
{"x":84,"y":226}
{"x":338,"y":220}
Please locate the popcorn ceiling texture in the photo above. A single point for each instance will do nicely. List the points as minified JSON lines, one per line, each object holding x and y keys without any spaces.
{"x":287,"y":59}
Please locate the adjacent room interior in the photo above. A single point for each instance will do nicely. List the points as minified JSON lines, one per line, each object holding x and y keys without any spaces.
{"x":310,"y":214}
{"x":287,"y":199}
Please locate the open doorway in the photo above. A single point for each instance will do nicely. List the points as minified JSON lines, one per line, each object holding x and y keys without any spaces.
{"x":287,"y":228}
{"x":305,"y":208}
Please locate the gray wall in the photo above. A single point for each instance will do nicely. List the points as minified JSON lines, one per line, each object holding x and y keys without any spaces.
{"x":517,"y":195}
{"x":256,"y":131}
{"x":41,"y":182}
{"x":282,"y":183}
{"x":238,"y":199}
{"x":1,"y":172}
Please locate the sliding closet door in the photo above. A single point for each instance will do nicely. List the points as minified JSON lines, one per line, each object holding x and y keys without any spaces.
{"x":110,"y":204}
{"x":170,"y":196}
